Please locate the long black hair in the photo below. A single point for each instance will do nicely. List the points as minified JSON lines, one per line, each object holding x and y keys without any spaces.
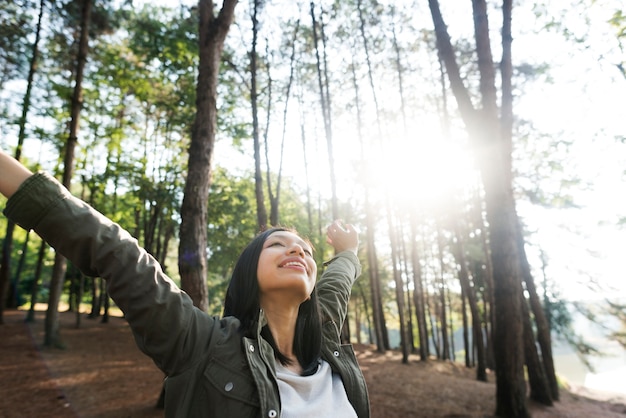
{"x":242,"y":302}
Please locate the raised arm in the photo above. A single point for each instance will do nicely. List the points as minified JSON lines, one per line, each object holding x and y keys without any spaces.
{"x":12,"y":174}
{"x":165,"y":323}
{"x":335,"y":285}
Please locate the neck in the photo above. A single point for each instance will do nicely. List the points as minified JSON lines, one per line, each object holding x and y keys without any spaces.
{"x":281,"y":322}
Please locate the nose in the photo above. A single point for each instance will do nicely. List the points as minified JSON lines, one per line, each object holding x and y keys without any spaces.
{"x":296,"y":248}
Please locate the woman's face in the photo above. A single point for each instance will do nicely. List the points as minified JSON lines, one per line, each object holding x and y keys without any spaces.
{"x":286,"y":267}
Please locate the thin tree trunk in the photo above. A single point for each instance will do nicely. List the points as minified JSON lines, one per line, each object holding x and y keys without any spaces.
{"x":367,"y":313}
{"x":418,"y":292}
{"x":95,"y":298}
{"x":324,"y":100}
{"x":466,"y":342}
{"x":404,"y":338}
{"x":275,"y":199}
{"x":34,"y":290}
{"x":445,"y":349}
{"x":380,"y":327}
{"x":538,"y":382}
{"x":407,"y":289}
{"x":261,"y":211}
{"x":468,"y":290}
{"x":13,"y":301}
{"x":543,"y":327}
{"x":487,"y":277}
{"x":309,"y":203}
{"x":433,"y":327}
{"x":52,"y":337}
{"x":79,"y":297}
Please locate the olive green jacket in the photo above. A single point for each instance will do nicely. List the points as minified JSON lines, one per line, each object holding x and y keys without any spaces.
{"x":212,"y":370}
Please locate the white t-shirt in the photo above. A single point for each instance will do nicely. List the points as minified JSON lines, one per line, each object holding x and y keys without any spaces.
{"x":321,"y":395}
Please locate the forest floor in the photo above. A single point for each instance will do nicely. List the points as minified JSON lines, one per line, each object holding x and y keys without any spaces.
{"x":101,"y":374}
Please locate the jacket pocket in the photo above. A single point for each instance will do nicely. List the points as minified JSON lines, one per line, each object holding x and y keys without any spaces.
{"x":231,"y":388}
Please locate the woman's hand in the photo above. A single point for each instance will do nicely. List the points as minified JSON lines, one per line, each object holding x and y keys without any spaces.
{"x":12,"y":174}
{"x":342,"y":237}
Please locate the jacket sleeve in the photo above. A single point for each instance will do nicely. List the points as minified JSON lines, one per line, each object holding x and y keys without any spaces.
{"x":335,"y":286}
{"x":166,"y":325}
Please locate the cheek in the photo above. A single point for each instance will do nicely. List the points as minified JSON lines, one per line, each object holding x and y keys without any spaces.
{"x":313,"y":274}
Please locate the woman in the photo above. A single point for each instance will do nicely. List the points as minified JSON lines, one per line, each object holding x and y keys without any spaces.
{"x":275,"y":353}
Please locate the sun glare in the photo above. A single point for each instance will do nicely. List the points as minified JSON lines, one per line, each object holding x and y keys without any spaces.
{"x":428,"y":170}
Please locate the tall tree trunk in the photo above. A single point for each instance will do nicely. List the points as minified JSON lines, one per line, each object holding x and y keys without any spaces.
{"x":309,"y":203}
{"x":492,"y":150}
{"x":380,"y":326}
{"x":404,"y":336}
{"x":13,"y":300}
{"x":543,"y":327}
{"x":52,"y":337}
{"x":445,"y":342}
{"x":7,"y":245}
{"x":466,"y":342}
{"x":193,"y":240}
{"x":407,"y":289}
{"x":486,"y":275}
{"x":261,"y":211}
{"x":34,"y":289}
{"x":275,"y":199}
{"x":418,"y":293}
{"x":433,"y":327}
{"x":95,"y":298}
{"x":325,"y":103}
{"x":477,"y":336}
{"x":538,"y":382}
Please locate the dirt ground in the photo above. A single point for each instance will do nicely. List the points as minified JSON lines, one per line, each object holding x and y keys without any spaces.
{"x":101,"y":374}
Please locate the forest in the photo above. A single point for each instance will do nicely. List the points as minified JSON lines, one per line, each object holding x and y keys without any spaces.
{"x":457,"y":136}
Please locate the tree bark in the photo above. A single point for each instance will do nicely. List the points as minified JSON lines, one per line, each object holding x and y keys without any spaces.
{"x":193,"y":240}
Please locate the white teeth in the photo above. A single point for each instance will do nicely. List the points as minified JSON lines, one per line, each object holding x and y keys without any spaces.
{"x":293,"y":263}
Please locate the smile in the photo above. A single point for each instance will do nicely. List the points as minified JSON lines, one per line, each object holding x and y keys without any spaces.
{"x":294,"y":264}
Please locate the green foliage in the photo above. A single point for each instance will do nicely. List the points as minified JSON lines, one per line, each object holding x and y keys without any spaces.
{"x":561,"y":323}
{"x":15,"y":26}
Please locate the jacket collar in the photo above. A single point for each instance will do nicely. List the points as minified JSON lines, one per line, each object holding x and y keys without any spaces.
{"x":260,"y":323}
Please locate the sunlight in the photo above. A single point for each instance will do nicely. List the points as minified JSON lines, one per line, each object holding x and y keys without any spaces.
{"x":428,"y":171}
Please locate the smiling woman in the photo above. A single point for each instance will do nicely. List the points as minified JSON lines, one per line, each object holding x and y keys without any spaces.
{"x":228,"y":366}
